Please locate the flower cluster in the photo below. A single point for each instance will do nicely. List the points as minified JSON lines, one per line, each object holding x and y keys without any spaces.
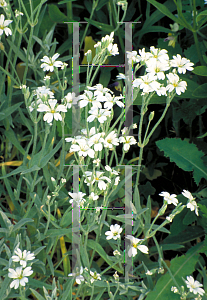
{"x":21,"y":273}
{"x":157,"y":62}
{"x":171,"y":199}
{"x":106,"y":46}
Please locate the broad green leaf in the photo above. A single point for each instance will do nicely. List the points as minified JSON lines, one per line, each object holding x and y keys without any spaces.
{"x":200,"y":92}
{"x":200,"y":70}
{"x":180,"y":267}
{"x":185,"y":155}
{"x":56,"y":15}
{"x":189,"y":234}
{"x":8,"y":111}
{"x":94,"y":245}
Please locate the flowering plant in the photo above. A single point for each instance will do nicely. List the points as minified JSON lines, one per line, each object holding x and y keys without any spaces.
{"x":76,"y":219}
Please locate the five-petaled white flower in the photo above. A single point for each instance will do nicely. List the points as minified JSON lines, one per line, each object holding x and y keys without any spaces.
{"x":100,"y":114}
{"x":181,"y":63}
{"x":49,"y":62}
{"x":127,"y":141}
{"x":169,"y":198}
{"x":191,"y":203}
{"x":114,"y":232}
{"x":95,"y":276}
{"x":52,"y":110}
{"x":175,"y":83}
{"x":194,"y":286}
{"x":20,"y":276}
{"x":78,"y":275}
{"x":3,"y":26}
{"x":22,"y":257}
{"x":135,"y":245}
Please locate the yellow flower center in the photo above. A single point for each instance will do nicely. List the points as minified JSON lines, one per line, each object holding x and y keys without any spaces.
{"x":134,"y":245}
{"x":52,"y":111}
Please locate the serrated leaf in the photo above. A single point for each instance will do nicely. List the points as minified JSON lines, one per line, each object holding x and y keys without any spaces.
{"x":185,"y":155}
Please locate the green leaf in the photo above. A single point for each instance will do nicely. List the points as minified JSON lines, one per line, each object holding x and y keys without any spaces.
{"x":200,"y":70}
{"x":45,"y":159}
{"x":32,"y":169}
{"x":36,"y":294}
{"x":13,"y":139}
{"x":21,"y":223}
{"x":94,"y":245}
{"x":39,"y":284}
{"x":104,"y":27}
{"x":56,"y":15}
{"x":200,"y":92}
{"x":51,"y":265}
{"x":189,"y":234}
{"x":16,"y":171}
{"x":163,"y":9}
{"x":59,"y":232}
{"x":8,"y":111}
{"x":202,"y":18}
{"x":180,"y":267}
{"x":185,"y":155}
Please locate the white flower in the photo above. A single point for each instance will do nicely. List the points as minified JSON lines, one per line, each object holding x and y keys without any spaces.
{"x":22,"y":257}
{"x":120,"y":76}
{"x":114,"y":232}
{"x":194,"y":286}
{"x":78,"y":275}
{"x":127,"y":141}
{"x":82,"y":148}
{"x":158,"y":68}
{"x":69,"y":99}
{"x":144,"y":56}
{"x":20,"y":276}
{"x":116,"y":276}
{"x":134,"y":126}
{"x":43,"y":93}
{"x":191,"y":203}
{"x":100,"y":114}
{"x":147,"y":83}
{"x":3,"y":3}
{"x":78,"y":197}
{"x":113,"y":49}
{"x":97,"y":141}
{"x":132,"y":57}
{"x":110,"y":101}
{"x":188,"y":195}
{"x":49,"y":62}
{"x":133,"y":250}
{"x":52,"y":110}
{"x":111,"y":140}
{"x":98,"y":178}
{"x":35,"y":104}
{"x":95,"y":276}
{"x":88,"y":97}
{"x":93,"y":196}
{"x":169,"y":198}
{"x":3,"y":26}
{"x":175,"y":83}
{"x":63,"y":180}
{"x":159,"y":54}
{"x":181,"y":63}
{"x":109,"y":169}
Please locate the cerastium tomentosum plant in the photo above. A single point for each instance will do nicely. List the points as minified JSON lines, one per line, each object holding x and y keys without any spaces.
{"x":94,"y":150}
